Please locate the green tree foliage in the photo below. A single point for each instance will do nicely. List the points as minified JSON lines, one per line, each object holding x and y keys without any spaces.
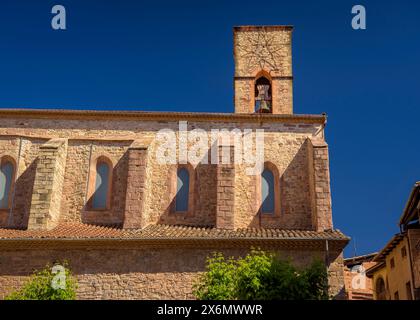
{"x":218,"y":282}
{"x":261,"y":276}
{"x":40,"y":286}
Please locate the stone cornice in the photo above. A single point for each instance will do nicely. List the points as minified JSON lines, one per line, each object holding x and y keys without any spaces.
{"x":159,"y":116}
{"x":266,"y":28}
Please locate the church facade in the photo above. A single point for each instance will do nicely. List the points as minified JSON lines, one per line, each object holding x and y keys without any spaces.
{"x":90,"y":187}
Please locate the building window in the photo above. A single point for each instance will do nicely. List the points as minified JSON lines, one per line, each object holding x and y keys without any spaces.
{"x":403,"y":252}
{"x":380,"y":289}
{"x":101,"y":195}
{"x":263,"y":95}
{"x":7,"y":172}
{"x":182,"y":190}
{"x":408,"y":290}
{"x":396,"y":295}
{"x":392,"y":262}
{"x":267,"y":192}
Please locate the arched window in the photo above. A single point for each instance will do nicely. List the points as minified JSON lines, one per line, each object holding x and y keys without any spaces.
{"x":263,"y":95}
{"x":100,"y":197}
{"x":182,"y":190}
{"x":7,"y":171}
{"x":380,"y":289}
{"x":267,"y":192}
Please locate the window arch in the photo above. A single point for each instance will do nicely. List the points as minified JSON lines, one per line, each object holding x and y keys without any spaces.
{"x":181,"y":195}
{"x":102,"y":183}
{"x":7,"y":176}
{"x":182,"y":190}
{"x":380,"y":289}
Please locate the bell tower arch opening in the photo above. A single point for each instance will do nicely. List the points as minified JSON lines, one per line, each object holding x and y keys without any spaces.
{"x":263,"y":95}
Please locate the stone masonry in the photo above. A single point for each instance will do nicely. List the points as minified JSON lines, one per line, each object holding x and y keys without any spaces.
{"x":138,"y":246}
{"x":136,"y":187}
{"x":46,"y":198}
{"x":225,"y":212}
{"x":143,"y":273}
{"x":321,"y":184}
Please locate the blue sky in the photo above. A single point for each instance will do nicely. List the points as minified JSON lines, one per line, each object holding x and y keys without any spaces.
{"x":177,"y":56}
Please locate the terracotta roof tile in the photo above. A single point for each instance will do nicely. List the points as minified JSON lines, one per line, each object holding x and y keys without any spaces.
{"x":62,"y":231}
{"x":396,"y":239}
{"x":85,"y":231}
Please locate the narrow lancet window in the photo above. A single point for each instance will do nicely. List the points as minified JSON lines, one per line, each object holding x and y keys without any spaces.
{"x":102,"y":186}
{"x":182,"y":190}
{"x":6,"y":178}
{"x":267,"y":191}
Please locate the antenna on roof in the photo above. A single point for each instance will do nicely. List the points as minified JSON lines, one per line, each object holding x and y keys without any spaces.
{"x":354,"y":246}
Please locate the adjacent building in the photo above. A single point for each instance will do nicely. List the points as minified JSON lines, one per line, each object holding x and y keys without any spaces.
{"x":396,"y":275}
{"x":358,"y":286}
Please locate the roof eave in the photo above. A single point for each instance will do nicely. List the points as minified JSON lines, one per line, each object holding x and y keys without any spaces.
{"x":158,"y":116}
{"x":336,"y":243}
{"x":407,"y":214}
{"x":371,"y":270}
{"x":395,"y":240}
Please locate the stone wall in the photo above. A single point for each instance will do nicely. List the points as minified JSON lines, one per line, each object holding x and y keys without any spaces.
{"x":320,"y":189}
{"x":48,"y":185}
{"x":286,"y":147}
{"x":136,"y":188}
{"x":25,"y":152}
{"x":225,"y":210}
{"x":142,"y":273}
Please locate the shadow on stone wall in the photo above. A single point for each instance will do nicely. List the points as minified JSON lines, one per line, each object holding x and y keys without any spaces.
{"x":295,"y":202}
{"x":205,"y":195}
{"x":295,"y":197}
{"x":23,"y":197}
{"x":114,"y":216}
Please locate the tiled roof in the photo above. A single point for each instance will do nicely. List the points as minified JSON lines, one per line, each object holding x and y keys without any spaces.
{"x":63,"y":231}
{"x":154,"y":115}
{"x":410,"y":212}
{"x":396,"y":239}
{"x":166,"y":231}
{"x":360,"y":259}
{"x":160,"y":231}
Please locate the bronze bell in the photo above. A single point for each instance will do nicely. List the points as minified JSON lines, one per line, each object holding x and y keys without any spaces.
{"x":263,"y":99}
{"x":264,"y":107}
{"x":262,"y":92}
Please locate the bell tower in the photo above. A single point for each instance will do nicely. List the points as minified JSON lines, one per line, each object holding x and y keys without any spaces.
{"x":263,"y":69}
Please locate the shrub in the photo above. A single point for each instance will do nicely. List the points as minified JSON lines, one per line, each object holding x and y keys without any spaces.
{"x":40,"y":286}
{"x":218,"y":282}
{"x":261,"y":276}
